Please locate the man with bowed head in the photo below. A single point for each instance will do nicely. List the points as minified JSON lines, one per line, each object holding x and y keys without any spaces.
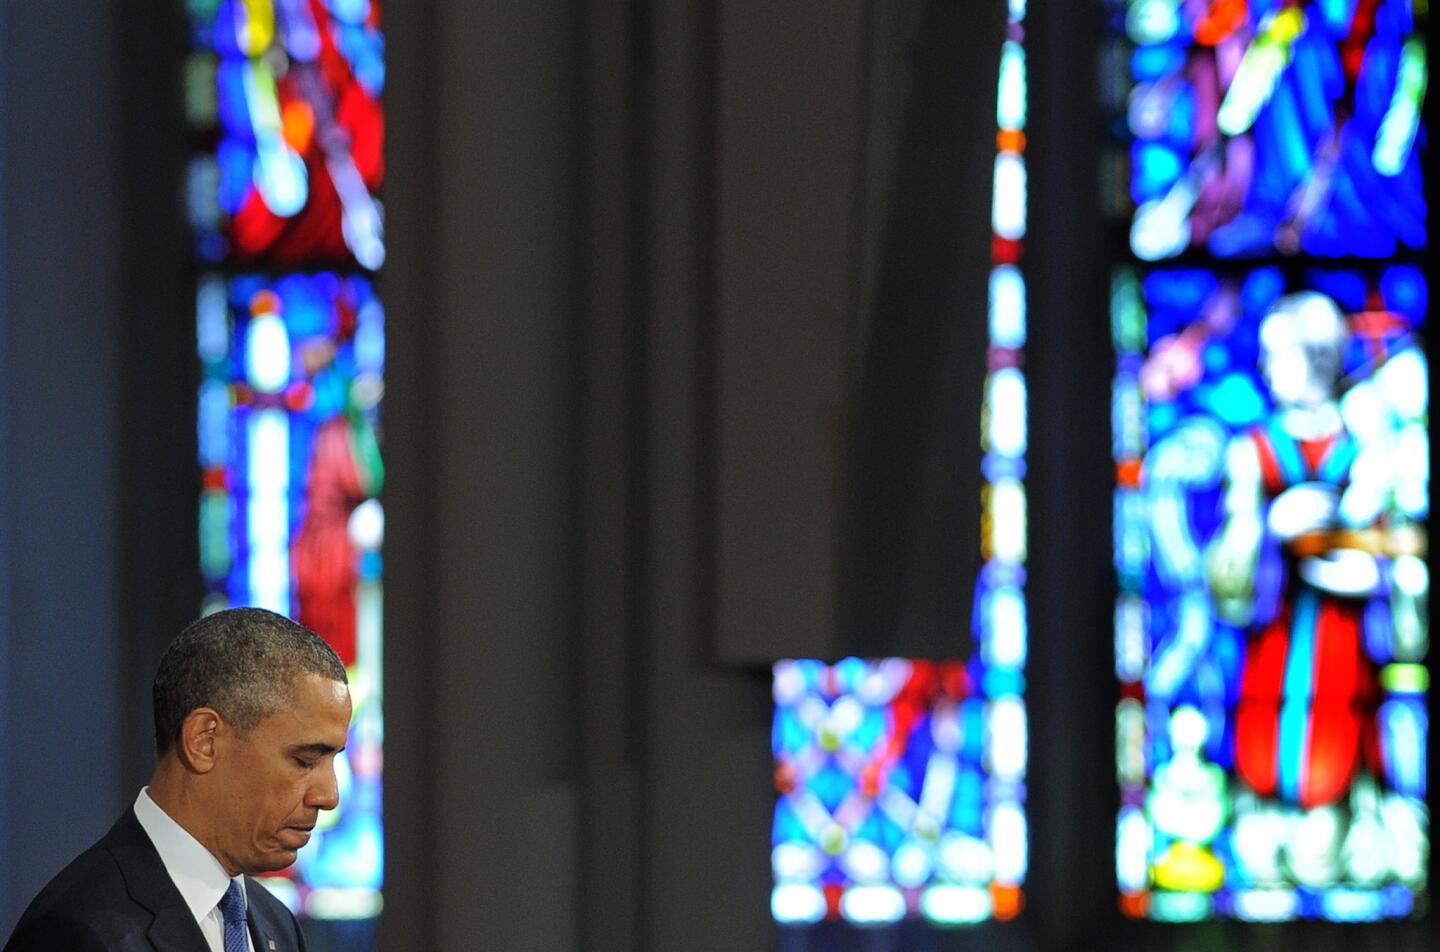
{"x":250,"y":712}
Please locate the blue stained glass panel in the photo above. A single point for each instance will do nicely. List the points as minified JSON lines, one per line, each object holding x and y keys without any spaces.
{"x":882,"y":770}
{"x":1271,"y":447}
{"x":1272,"y":739}
{"x":1262,"y":129}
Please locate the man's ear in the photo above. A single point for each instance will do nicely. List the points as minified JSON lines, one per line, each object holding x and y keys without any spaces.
{"x":196,"y":748}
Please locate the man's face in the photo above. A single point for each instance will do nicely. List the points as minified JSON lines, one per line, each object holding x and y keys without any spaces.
{"x":273,"y":783}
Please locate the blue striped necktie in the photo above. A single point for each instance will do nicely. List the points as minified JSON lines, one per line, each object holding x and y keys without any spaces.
{"x":232,"y":908}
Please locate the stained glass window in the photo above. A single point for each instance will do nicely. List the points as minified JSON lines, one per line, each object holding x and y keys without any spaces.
{"x":283,"y":96}
{"x":283,"y":99}
{"x":902,"y":782}
{"x":1272,"y":463}
{"x":1274,"y":126}
{"x":882,"y":769}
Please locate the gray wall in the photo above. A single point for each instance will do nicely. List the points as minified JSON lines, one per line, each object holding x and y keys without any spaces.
{"x":572,"y":772}
{"x":594,"y":210}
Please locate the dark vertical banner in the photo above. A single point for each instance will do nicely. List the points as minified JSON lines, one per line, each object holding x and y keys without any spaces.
{"x":1271,"y":442}
{"x":6,"y":597}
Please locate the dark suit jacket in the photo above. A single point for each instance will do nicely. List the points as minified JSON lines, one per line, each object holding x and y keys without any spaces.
{"x":117,"y":897}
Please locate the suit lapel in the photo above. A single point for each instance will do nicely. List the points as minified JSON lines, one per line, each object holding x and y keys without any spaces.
{"x":262,"y":940}
{"x":266,"y":932}
{"x":175,"y":930}
{"x":150,"y":886}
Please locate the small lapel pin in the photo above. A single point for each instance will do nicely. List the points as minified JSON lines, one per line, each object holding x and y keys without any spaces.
{"x":272,"y":945}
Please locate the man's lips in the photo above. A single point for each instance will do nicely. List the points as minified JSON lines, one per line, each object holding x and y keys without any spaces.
{"x":301,"y":833}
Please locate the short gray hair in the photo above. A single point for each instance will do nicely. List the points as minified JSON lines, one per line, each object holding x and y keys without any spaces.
{"x":242,"y":662}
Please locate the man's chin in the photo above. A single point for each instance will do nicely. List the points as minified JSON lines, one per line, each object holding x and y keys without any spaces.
{"x":275,"y":860}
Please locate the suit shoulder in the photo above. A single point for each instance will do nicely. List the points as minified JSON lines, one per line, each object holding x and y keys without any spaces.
{"x":69,"y":912}
{"x":55,"y":929}
{"x":83,"y":904}
{"x":91,"y":880}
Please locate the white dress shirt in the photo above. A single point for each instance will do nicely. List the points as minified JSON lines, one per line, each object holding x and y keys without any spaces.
{"x":198,"y":875}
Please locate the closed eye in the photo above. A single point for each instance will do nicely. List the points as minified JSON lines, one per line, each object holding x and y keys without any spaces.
{"x":309,"y":756}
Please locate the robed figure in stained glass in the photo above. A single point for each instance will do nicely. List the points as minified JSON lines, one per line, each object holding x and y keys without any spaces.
{"x":1302,"y":563}
{"x":1305,"y":721}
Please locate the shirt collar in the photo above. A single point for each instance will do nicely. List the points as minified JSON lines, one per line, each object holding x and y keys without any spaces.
{"x":197,"y":874}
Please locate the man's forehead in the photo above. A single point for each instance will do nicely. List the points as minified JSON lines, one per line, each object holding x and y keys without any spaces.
{"x":323,"y":687}
{"x":314,"y":697}
{"x":324,"y":696}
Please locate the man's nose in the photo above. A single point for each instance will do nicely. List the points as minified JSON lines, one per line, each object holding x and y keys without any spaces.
{"x":324,"y":793}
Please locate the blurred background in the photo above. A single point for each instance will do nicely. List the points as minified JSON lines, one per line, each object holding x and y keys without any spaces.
{"x":863,"y":474}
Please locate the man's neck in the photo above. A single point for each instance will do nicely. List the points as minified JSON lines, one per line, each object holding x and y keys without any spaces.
{"x":173,"y":790}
